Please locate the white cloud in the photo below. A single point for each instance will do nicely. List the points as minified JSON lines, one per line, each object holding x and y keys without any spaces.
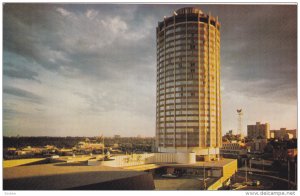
{"x":114,"y":25}
{"x":63,"y":11}
{"x":91,"y":13}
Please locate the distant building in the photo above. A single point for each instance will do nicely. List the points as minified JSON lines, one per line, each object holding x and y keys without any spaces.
{"x":50,"y":147}
{"x":89,"y":146}
{"x":65,"y":152}
{"x":258,"y":131}
{"x":283,"y":154}
{"x":115,"y":145}
{"x":282,"y":134}
{"x":117,"y":136}
{"x":257,"y":145}
{"x":229,"y":136}
{"x":288,"y":136}
{"x":233,"y":148}
{"x":11,"y":149}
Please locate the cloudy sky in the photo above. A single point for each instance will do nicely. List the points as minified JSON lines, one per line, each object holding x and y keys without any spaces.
{"x":85,"y":70}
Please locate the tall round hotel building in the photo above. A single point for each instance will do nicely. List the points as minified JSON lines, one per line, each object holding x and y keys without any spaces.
{"x":188,"y":102}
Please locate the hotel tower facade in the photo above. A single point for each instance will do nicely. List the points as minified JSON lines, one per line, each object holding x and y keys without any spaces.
{"x":188,"y":100}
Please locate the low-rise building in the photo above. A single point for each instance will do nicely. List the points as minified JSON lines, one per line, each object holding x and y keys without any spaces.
{"x":257,"y":145}
{"x":229,"y":136}
{"x":89,"y":146}
{"x":284,"y":154}
{"x":281,"y":133}
{"x":288,"y":136}
{"x":234,"y":148}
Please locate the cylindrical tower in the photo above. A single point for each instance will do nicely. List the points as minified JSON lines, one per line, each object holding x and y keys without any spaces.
{"x":188,"y":102}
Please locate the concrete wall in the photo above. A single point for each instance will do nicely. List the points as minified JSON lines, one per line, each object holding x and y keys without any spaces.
{"x":141,"y":182}
{"x":164,"y":158}
{"x":140,"y":159}
{"x":186,"y":158}
{"x":227,"y":171}
{"x":216,"y":173}
{"x":197,"y":150}
{"x":77,"y":181}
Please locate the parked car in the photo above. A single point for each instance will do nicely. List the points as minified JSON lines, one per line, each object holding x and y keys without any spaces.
{"x":169,"y":176}
{"x":238,"y":186}
{"x":255,"y":183}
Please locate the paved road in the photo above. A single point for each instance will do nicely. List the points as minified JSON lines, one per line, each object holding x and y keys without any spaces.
{"x":267,"y":183}
{"x":264,"y":184}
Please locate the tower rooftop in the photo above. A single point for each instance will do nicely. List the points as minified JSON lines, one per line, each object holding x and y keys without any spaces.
{"x":189,"y":10}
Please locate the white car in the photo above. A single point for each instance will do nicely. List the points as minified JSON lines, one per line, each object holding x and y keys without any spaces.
{"x":169,"y":176}
{"x":255,"y":183}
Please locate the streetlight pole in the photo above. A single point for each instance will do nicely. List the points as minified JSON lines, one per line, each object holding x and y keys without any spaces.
{"x":246,"y":171}
{"x":204,"y":183}
{"x":295,"y":173}
{"x":103,"y":147}
{"x":288,"y":174}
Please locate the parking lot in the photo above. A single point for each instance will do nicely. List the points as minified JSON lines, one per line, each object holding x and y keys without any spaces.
{"x":265,"y":183}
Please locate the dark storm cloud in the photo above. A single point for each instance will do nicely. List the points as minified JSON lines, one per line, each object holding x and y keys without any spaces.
{"x":14,"y":71}
{"x":259,"y":49}
{"x":257,"y":42}
{"x":26,"y":29}
{"x":23,"y":94}
{"x":69,"y":43}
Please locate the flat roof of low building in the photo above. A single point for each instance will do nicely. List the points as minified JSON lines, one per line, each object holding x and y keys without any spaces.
{"x":221,"y":163}
{"x":61,"y":176}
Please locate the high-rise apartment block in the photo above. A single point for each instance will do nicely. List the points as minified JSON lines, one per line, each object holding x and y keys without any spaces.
{"x":188,"y":101}
{"x":258,"y":131}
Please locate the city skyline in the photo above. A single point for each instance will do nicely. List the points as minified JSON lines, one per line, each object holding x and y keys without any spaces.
{"x":91,"y":69}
